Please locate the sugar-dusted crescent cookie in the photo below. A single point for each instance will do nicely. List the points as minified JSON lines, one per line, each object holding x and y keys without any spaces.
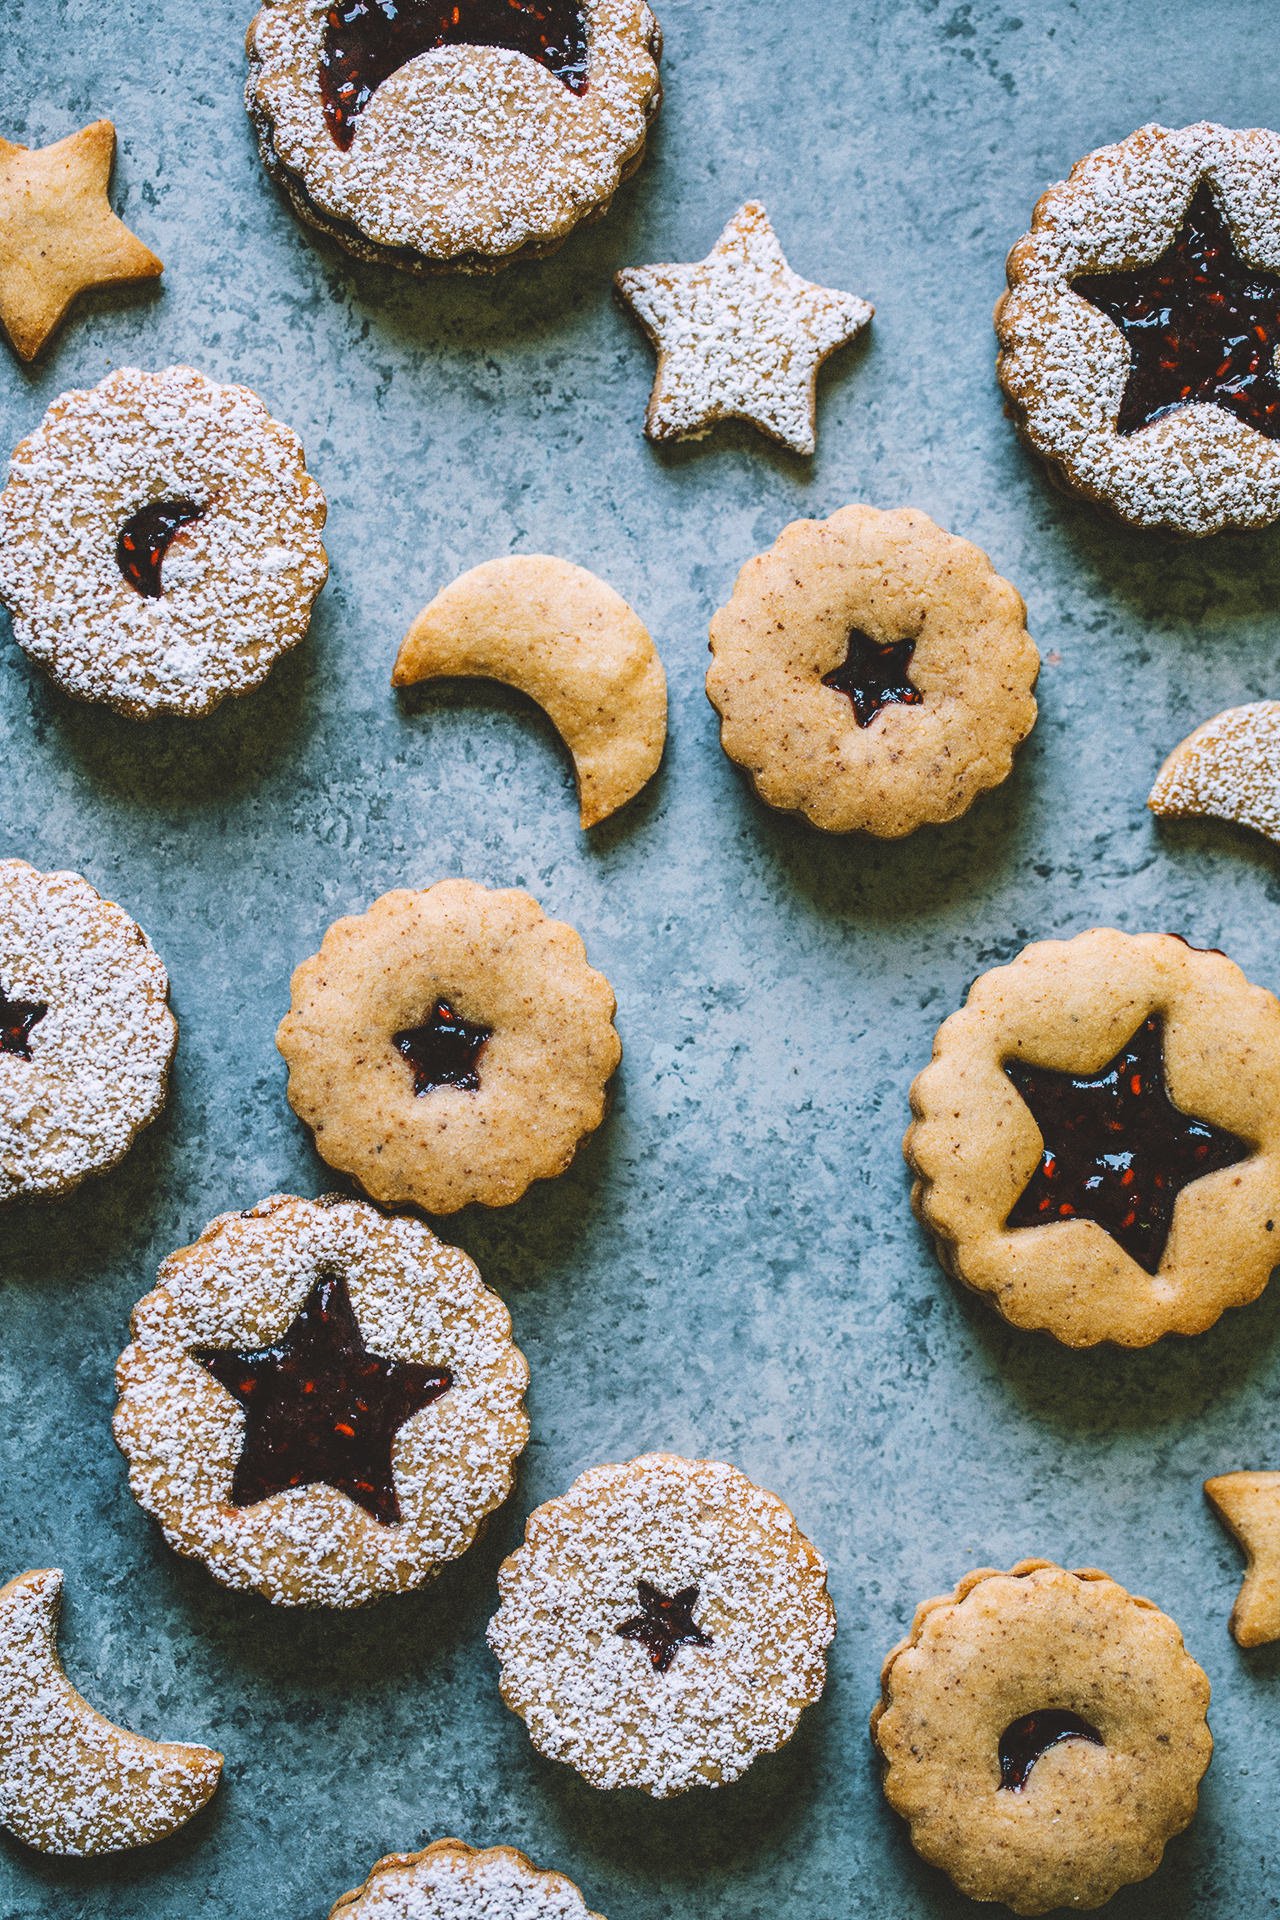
{"x":451,"y":1881}
{"x":321,"y":1402}
{"x":160,"y":542}
{"x":664,"y":1623}
{"x":1138,"y":333}
{"x":86,"y":1035}
{"x":1096,"y":1143}
{"x":1043,"y":1733}
{"x":71,"y":1783}
{"x":1228,"y":769}
{"x":464,"y":134}
{"x":571,"y":643}
{"x":450,"y":1045}
{"x":1249,"y":1504}
{"x":872,"y":672}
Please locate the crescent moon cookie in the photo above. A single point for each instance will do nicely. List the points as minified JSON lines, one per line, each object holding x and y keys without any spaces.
{"x":160,"y":542}
{"x":1043,"y":1733}
{"x":1096,"y":1143}
{"x":557,"y":633}
{"x":872,"y":672}
{"x":71,"y":1783}
{"x":463,"y":134}
{"x":449,"y":1046}
{"x":1249,"y":1505}
{"x":1228,"y":769}
{"x":664,"y":1622}
{"x":1138,"y":333}
{"x":86,"y":1035}
{"x":322,"y":1403}
{"x":451,"y":1881}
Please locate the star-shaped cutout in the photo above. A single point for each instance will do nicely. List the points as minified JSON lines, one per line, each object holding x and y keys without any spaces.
{"x":443,"y":1051}
{"x":1249,"y":1504}
{"x":1116,"y":1149}
{"x":873,"y":675}
{"x":17,"y":1017}
{"x":58,"y":235}
{"x":739,"y":335}
{"x":1200,"y":323}
{"x":664,"y":1623}
{"x":320,"y":1407}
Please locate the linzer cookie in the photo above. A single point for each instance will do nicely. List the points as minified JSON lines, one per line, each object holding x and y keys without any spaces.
{"x":451,"y":1881}
{"x":1096,"y":1142}
{"x":1228,"y":769}
{"x":1138,"y":333}
{"x":872,"y":672}
{"x":664,"y":1622}
{"x":450,"y":1045}
{"x":428,"y":134}
{"x":160,"y":542}
{"x":321,"y":1403}
{"x":86,"y":1035}
{"x":1043,"y":1733}
{"x":1249,"y":1504}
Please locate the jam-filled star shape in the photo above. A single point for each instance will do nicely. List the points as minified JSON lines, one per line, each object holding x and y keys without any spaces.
{"x":874,"y":675}
{"x":1249,"y":1504}
{"x":58,"y":235}
{"x":17,"y":1018}
{"x":1116,"y":1148}
{"x":664,"y":1623}
{"x":444,"y":1050}
{"x":1200,"y":323}
{"x":320,"y":1407}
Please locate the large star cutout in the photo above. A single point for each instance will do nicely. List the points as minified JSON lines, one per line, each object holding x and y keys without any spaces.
{"x":739,"y":335}
{"x":58,"y":235}
{"x":874,"y":675}
{"x":17,"y":1017}
{"x":1249,"y":1504}
{"x":443,"y":1051}
{"x":320,"y":1407}
{"x":664,"y":1623}
{"x":1200,"y":323}
{"x":1116,"y":1149}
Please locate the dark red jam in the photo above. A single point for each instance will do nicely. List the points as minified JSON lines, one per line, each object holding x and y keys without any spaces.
{"x":443,"y":1051}
{"x":366,"y":41}
{"x":664,"y":1623}
{"x":873,"y":675}
{"x":1199,"y":322}
{"x":1116,"y":1149}
{"x":1023,"y":1741}
{"x":146,"y":537}
{"x":17,"y":1017}
{"x":319,"y":1406}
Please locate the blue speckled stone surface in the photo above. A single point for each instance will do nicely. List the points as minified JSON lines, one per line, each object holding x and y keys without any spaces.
{"x":731,"y":1266}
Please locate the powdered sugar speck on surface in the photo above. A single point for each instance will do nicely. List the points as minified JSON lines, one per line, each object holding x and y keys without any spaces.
{"x":1229,"y":769}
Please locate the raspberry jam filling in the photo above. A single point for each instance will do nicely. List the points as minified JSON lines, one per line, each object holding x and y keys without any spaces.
{"x":1023,"y":1741}
{"x":1200,"y":324}
{"x":366,"y":41}
{"x":873,"y":675}
{"x":17,"y":1017}
{"x":320,"y":1407}
{"x":146,"y":537}
{"x":664,"y":1623}
{"x":443,"y":1051}
{"x":1116,"y":1149}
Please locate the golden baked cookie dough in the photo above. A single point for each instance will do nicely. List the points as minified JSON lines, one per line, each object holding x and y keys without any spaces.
{"x":1249,"y":1504}
{"x":932,"y":663}
{"x":451,"y":1881}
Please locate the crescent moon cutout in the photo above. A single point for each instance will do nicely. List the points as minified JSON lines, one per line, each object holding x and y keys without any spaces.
{"x":560,"y":635}
{"x":71,"y":1782}
{"x":1228,"y":769}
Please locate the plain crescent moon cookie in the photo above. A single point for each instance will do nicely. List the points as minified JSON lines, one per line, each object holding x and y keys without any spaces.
{"x":1228,"y":769}
{"x":451,"y":1881}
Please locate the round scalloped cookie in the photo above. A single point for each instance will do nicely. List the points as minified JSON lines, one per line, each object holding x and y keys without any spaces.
{"x":451,"y":1881}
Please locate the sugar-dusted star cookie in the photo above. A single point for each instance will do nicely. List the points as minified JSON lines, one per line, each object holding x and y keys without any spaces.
{"x":1249,"y":1504}
{"x":1228,"y":769}
{"x":58,"y":235}
{"x":739,"y":336}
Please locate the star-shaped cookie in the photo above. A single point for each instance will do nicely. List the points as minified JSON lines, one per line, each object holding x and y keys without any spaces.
{"x":739,"y":336}
{"x":1249,"y":1504}
{"x":58,"y":235}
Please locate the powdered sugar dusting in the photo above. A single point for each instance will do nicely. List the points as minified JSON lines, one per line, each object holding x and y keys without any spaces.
{"x":239,"y":1287}
{"x":1063,"y":363}
{"x":1229,"y":768}
{"x":450,"y":1881}
{"x":238,"y":582}
{"x":593,"y":1698}
{"x":100,"y":1054}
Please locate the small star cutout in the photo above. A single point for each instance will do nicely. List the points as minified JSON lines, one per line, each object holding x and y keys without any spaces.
{"x":1249,"y":1504}
{"x":320,"y":1407}
{"x":1116,"y":1149}
{"x":17,"y":1017}
{"x":1200,"y":324}
{"x":873,"y":675}
{"x":58,"y":235}
{"x":739,"y":336}
{"x":663,"y":1624}
{"x":443,"y":1051}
